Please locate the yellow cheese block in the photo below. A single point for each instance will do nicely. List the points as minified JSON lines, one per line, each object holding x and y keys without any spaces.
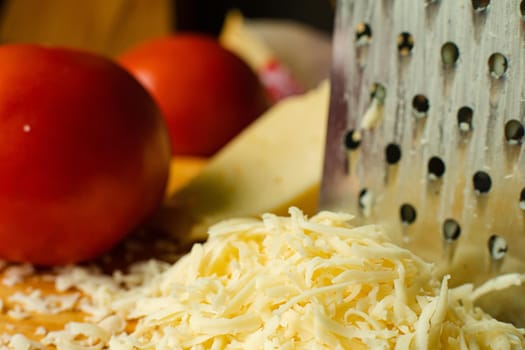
{"x":275,"y":163}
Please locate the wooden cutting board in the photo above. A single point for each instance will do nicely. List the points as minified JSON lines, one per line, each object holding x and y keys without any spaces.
{"x":182,"y":170}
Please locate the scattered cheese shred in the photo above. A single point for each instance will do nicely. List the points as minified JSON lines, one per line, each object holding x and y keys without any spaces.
{"x":16,"y":273}
{"x":284,"y":283}
{"x":44,"y":304}
{"x":20,"y":342}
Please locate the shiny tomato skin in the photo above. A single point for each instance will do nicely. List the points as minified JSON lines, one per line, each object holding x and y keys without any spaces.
{"x":84,"y":154}
{"x":207,"y":94}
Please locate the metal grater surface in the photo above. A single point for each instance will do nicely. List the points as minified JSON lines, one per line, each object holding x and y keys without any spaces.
{"x":425,"y":129}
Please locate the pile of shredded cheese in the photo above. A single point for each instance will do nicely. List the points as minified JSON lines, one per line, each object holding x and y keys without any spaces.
{"x":282,"y":283}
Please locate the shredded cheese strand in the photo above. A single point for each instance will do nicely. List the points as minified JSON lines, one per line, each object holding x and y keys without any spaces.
{"x":284,"y":283}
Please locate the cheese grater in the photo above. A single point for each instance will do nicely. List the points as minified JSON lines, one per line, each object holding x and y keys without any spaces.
{"x":426,"y":128}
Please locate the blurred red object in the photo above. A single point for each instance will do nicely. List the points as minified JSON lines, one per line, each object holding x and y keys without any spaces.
{"x":206,"y":93}
{"x":279,"y":81}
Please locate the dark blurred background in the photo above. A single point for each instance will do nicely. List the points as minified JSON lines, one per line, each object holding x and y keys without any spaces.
{"x":207,"y":15}
{"x":296,"y":32}
{"x":30,"y":20}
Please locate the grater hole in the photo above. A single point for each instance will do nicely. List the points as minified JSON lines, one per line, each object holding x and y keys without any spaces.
{"x":436,"y":167}
{"x":451,"y":230}
{"x":392,"y":153}
{"x":363,"y":198}
{"x":352,"y":140}
{"x":408,"y":214}
{"x":482,"y":182}
{"x":449,"y":53}
{"x":363,"y":33}
{"x":420,"y":104}
{"x":497,"y":247}
{"x":514,"y":132}
{"x":378,"y":92}
{"x":522,"y":199}
{"x":498,"y":65}
{"x":366,"y":201}
{"x":405,"y":43}
{"x":480,"y":5}
{"x":465,"y":118}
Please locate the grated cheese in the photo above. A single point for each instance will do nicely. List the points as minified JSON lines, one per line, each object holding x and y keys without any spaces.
{"x":18,"y":313}
{"x":373,"y":115}
{"x":40,"y":330}
{"x":44,"y":304}
{"x":282,"y":283}
{"x":16,"y":273}
{"x":20,"y":342}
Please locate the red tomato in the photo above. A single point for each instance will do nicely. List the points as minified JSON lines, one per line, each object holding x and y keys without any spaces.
{"x":84,"y":154}
{"x":206,"y":93}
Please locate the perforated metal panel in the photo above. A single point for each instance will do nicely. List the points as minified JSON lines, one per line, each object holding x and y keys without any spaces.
{"x":426,"y":128}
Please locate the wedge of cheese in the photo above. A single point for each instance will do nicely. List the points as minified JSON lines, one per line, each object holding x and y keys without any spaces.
{"x":273,"y":164}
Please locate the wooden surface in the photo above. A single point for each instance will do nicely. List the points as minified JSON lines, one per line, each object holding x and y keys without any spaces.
{"x":183,"y":169}
{"x":28,"y":326}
